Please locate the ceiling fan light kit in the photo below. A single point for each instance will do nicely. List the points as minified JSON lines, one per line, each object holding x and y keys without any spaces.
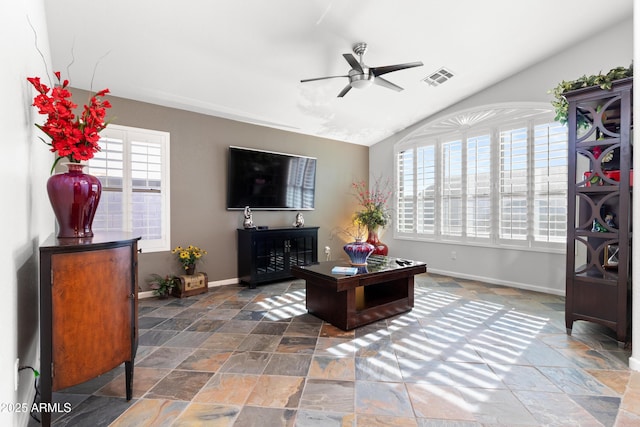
{"x":361,"y":81}
{"x":362,"y":76}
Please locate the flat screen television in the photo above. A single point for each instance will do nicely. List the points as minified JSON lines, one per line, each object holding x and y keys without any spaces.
{"x":266,"y":180}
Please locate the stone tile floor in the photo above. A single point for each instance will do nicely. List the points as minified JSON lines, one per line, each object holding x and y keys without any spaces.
{"x":468,"y":354}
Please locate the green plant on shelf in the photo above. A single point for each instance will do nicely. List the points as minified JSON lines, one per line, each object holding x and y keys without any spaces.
{"x":605,"y":81}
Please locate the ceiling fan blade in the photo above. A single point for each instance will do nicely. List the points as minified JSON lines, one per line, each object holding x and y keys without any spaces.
{"x":344,"y":91}
{"x":378,"y":71}
{"x":353,"y":62}
{"x":386,"y":83}
{"x":320,"y":78}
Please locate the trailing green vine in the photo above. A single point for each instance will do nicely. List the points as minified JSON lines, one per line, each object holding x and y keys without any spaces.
{"x":605,"y":81}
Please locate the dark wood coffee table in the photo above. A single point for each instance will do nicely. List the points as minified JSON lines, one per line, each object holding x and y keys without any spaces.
{"x":382,"y":289}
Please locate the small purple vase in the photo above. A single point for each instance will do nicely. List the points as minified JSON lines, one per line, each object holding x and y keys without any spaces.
{"x":74,"y":196}
{"x":358,"y":252}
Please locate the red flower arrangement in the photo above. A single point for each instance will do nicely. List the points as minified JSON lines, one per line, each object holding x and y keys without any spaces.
{"x":73,"y":138}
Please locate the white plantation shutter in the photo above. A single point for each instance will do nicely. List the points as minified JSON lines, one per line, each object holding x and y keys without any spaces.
{"x":108,"y":166}
{"x":550,"y":172}
{"x":478,"y":188}
{"x":146,"y":183}
{"x":451,"y":198}
{"x":427,"y":190}
{"x":513,"y":184}
{"x":405,"y":193}
{"x":133,"y":166}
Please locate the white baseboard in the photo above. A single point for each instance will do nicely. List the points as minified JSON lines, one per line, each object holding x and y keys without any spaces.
{"x":233,"y":281}
{"x":213,"y":284}
{"x":145,"y":294}
{"x":634,"y":363}
{"x":494,"y":281}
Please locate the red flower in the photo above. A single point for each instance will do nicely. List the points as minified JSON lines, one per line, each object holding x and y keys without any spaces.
{"x":74,"y":138}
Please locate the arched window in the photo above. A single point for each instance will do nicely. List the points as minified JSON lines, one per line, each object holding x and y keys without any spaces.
{"x":495,"y":175}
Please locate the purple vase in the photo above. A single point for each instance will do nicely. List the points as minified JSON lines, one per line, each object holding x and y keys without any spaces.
{"x":358,"y":252}
{"x":74,"y":196}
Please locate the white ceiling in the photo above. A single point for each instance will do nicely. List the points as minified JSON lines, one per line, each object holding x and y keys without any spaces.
{"x":244,"y":59}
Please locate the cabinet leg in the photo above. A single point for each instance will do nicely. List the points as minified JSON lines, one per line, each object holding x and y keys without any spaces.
{"x":128,"y":373}
{"x":46,"y":393}
{"x":45,"y":417}
{"x":568,"y":322}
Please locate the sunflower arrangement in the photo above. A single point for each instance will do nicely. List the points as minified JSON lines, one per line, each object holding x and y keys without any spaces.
{"x":188,"y":256}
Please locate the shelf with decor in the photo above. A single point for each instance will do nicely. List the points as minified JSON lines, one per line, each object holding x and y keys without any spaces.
{"x":267,"y":255}
{"x":598,"y":275}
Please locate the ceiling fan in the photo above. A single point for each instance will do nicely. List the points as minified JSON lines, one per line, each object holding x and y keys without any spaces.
{"x":362,"y":76}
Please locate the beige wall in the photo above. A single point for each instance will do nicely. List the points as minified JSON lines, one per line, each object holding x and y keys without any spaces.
{"x":198,"y":182}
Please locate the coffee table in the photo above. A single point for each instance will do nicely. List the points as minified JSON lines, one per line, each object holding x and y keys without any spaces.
{"x":380,"y":290}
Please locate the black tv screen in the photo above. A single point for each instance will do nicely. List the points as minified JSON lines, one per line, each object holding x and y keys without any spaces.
{"x":265,"y":180}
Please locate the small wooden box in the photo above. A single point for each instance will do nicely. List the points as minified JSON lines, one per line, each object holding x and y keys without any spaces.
{"x":191,"y":285}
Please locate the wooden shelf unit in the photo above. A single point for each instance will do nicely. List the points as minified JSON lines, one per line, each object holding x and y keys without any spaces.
{"x":597,"y":291}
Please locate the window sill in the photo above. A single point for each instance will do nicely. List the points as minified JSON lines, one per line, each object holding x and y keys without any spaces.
{"x":558,"y":248}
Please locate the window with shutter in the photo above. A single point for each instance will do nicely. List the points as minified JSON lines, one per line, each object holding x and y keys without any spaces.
{"x":451,"y":193}
{"x":550,"y":171}
{"x":427,"y":190}
{"x":133,"y":167}
{"x":513,"y":184}
{"x":495,"y":177}
{"x":405,"y":194}
{"x":478,"y":188}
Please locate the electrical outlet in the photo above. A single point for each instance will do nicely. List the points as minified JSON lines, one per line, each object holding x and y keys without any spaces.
{"x":16,"y":374}
{"x":453,"y":254}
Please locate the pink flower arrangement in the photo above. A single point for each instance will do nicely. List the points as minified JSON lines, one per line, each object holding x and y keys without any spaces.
{"x":375,"y":212}
{"x":73,"y":138}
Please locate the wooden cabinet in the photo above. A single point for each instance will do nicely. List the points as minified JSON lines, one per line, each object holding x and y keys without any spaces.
{"x":88,"y":310}
{"x":267,"y":255}
{"x":598,"y":283}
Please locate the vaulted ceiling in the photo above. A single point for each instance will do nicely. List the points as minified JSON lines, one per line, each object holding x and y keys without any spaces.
{"x":244,"y":59}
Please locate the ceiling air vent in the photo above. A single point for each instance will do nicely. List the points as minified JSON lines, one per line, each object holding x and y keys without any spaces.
{"x":438,"y":77}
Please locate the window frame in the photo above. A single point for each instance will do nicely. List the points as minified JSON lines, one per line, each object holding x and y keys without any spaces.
{"x":129,"y":135}
{"x":489,"y":120}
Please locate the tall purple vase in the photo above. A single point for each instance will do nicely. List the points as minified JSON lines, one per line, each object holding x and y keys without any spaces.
{"x":74,"y":196}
